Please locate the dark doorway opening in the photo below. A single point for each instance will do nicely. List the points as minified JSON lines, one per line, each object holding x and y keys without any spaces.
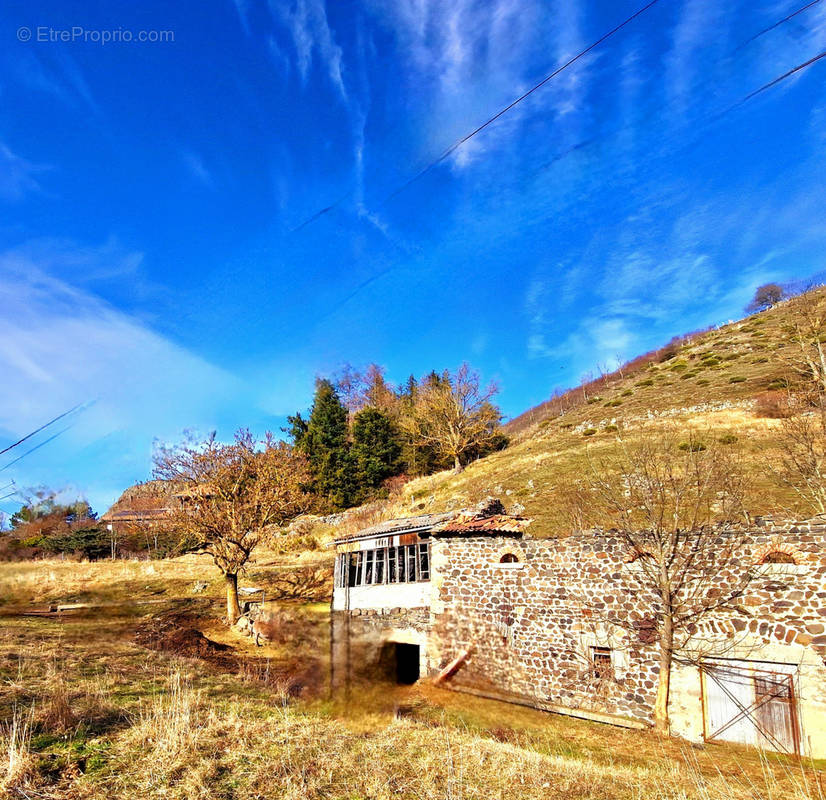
{"x":407,"y":663}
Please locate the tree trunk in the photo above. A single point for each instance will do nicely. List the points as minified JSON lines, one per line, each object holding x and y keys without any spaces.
{"x":662,"y":724}
{"x":457,"y":465}
{"x":233,"y":609}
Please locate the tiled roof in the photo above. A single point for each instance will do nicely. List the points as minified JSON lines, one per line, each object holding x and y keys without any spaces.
{"x":487,"y":517}
{"x":134,"y":514}
{"x":417,"y":523}
{"x":497,"y":523}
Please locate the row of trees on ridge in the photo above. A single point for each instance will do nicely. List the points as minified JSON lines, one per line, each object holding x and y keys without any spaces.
{"x":361,"y":430}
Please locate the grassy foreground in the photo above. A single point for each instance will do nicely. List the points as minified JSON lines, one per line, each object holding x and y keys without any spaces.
{"x":92,"y":706}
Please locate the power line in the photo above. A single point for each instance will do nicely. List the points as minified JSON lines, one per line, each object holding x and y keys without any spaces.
{"x":42,"y":427}
{"x":577,"y":146}
{"x":782,"y":78}
{"x":36,"y":447}
{"x":711,"y":118}
{"x":519,"y":99}
{"x":777,"y":24}
{"x":490,"y":120}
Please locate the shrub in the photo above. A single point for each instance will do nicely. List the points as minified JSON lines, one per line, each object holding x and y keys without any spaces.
{"x":589,"y":431}
{"x":712,"y":361}
{"x":773,"y":405}
{"x":736,"y":379}
{"x":627,"y":393}
{"x":703,"y":382}
{"x":611,"y":428}
{"x":595,"y":399}
{"x":678,"y":366}
{"x":646,"y":382}
{"x":727,"y":438}
{"x":613,"y":403}
{"x":777,"y":383}
{"x":670,"y":350}
{"x":692,"y":447}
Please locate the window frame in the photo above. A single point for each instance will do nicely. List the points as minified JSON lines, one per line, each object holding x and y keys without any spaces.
{"x":381,"y":566}
{"x":602,"y":662}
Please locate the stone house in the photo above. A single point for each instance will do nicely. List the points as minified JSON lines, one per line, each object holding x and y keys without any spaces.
{"x":465,"y":598}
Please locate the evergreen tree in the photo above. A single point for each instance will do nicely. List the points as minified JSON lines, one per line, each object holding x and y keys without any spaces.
{"x":325,"y":441}
{"x":376,"y":447}
{"x":297,"y":429}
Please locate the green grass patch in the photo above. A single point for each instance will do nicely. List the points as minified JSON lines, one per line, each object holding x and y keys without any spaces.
{"x":691,"y":447}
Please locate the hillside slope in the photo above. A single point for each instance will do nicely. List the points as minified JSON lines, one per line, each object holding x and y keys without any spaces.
{"x":714,"y":383}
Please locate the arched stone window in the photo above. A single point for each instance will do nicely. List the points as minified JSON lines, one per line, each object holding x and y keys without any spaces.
{"x":777,"y":551}
{"x":509,"y":556}
{"x":777,"y":557}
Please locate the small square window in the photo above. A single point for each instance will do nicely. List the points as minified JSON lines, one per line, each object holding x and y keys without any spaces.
{"x":424,"y":561}
{"x":601,"y":659}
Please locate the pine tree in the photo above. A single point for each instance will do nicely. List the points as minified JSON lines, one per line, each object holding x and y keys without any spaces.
{"x":376,"y":447}
{"x":325,"y":441}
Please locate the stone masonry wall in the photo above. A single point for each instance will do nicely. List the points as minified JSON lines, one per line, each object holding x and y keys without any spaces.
{"x":533,"y":625}
{"x":360,"y":640}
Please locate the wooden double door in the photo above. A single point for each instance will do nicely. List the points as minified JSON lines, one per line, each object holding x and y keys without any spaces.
{"x":751,"y":702}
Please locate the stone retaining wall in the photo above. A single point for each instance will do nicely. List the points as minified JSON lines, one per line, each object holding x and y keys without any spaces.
{"x":533,"y":625}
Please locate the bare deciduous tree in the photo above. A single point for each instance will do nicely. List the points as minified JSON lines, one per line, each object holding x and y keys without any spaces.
{"x":766,"y":296}
{"x":455,"y":415}
{"x":673,"y":503}
{"x":802,"y":459}
{"x":801,"y":465}
{"x":807,"y":358}
{"x":231,"y":495}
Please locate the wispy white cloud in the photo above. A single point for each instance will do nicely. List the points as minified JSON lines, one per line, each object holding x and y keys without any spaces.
{"x":469,"y":59}
{"x":197,"y":169}
{"x":63,"y":346}
{"x":279,"y":57}
{"x":17,"y":175}
{"x":242,"y":8}
{"x":699,"y":58}
{"x":313,"y":40}
{"x":62,"y":78}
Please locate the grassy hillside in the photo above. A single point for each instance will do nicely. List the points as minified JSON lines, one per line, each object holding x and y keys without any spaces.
{"x":714,"y":383}
{"x":126,"y":698}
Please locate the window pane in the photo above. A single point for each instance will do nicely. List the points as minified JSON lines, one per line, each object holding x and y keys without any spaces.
{"x":380,"y":565}
{"x":402,"y":564}
{"x":391,"y":565}
{"x":358,"y":570}
{"x":411,"y":562}
{"x":368,"y":567}
{"x":601,"y":657}
{"x":424,"y":561}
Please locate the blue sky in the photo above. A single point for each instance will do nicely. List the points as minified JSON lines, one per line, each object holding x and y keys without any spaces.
{"x":150,"y":192}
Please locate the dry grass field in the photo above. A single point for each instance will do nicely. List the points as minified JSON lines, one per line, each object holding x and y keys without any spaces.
{"x":123,"y":697}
